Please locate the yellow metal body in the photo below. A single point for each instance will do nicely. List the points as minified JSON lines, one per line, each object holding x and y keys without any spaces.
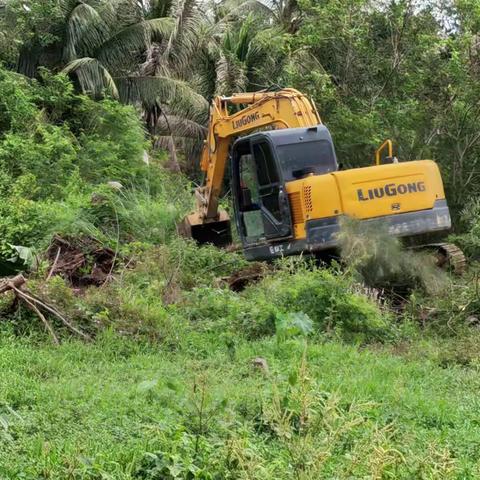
{"x":365,"y":192}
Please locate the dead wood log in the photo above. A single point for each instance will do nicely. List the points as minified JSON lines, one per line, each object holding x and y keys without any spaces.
{"x":17,"y":282}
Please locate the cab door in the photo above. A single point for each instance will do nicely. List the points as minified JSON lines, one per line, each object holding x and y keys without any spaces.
{"x":262,"y":207}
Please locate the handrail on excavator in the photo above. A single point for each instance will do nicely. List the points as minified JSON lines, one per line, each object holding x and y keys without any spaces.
{"x":378,"y":152}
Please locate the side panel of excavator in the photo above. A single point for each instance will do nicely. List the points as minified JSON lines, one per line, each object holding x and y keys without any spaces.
{"x":405,"y":198}
{"x":367,"y":193}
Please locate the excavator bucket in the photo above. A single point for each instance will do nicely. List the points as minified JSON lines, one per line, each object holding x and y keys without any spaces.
{"x":217,"y":232}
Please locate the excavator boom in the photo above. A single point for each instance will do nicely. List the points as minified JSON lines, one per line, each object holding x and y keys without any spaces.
{"x":287,"y":108}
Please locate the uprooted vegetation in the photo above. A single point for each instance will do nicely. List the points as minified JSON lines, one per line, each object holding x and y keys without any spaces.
{"x":381,"y":261}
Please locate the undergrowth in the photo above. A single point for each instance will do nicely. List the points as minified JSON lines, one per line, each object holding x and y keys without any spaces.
{"x":349,"y":370}
{"x":126,"y":409}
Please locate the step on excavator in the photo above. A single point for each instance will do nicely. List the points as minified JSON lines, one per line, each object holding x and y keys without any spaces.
{"x":289,"y":195}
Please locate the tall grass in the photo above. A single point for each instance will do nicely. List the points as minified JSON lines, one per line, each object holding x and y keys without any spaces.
{"x":124,"y":409}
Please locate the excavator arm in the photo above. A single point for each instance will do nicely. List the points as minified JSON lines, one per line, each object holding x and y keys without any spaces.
{"x":287,"y":108}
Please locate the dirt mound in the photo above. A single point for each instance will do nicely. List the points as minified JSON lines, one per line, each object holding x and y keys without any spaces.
{"x":240,"y":279}
{"x":83,"y":261}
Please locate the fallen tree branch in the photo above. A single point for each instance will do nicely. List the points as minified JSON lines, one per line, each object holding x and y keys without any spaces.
{"x":50,"y":309}
{"x":16,"y":285}
{"x":54,"y":265}
{"x":44,"y":320}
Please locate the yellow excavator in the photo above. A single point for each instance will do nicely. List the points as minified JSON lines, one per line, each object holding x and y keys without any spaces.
{"x":289,"y":195}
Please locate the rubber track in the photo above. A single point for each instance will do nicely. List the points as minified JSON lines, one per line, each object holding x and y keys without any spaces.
{"x":456,"y":260}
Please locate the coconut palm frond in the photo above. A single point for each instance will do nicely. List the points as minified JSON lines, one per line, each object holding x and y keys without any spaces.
{"x":128,"y":44}
{"x":184,"y":13}
{"x":127,"y":12}
{"x":244,"y":38}
{"x":180,"y":127}
{"x":305,"y":61}
{"x":151,"y":91}
{"x":163,"y":142}
{"x":195,"y":111}
{"x":159,"y":8}
{"x":204,"y":78}
{"x":187,"y":35}
{"x":255,"y":6}
{"x":231,"y":75}
{"x":192,"y":151}
{"x":93,"y":77}
{"x":85,"y":30}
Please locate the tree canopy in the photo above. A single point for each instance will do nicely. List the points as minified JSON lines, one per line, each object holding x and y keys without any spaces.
{"x":403,"y":69}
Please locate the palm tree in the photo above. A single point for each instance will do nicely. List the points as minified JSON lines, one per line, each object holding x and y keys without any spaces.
{"x":218,"y":52}
{"x":285,"y":14}
{"x":121,"y":48}
{"x":167,"y":57}
{"x":178,"y":116}
{"x":244,"y":60}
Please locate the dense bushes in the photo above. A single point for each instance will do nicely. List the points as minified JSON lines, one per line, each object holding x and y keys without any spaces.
{"x":178,"y":288}
{"x":59,"y":149}
{"x":326,"y":298}
{"x":48,"y":131}
{"x":167,"y":293}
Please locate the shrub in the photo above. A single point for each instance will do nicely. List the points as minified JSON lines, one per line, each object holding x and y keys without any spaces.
{"x":112,"y":142}
{"x":21,"y":218}
{"x":469,"y":241}
{"x":325,"y":297}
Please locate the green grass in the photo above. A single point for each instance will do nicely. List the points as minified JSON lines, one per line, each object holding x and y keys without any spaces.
{"x":119,"y":409}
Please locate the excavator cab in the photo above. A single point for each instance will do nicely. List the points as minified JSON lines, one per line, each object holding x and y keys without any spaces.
{"x":262,"y":164}
{"x":261,"y":208}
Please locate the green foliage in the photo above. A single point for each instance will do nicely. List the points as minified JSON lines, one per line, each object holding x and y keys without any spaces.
{"x":381,"y":261}
{"x":329,"y":300}
{"x":46,"y":152}
{"x":326,"y":300}
{"x":293,"y":325}
{"x":453,"y":313}
{"x":21,"y":222}
{"x":113,"y":145}
{"x":469,"y":240}
{"x":51,"y":172}
{"x":102,"y":140}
